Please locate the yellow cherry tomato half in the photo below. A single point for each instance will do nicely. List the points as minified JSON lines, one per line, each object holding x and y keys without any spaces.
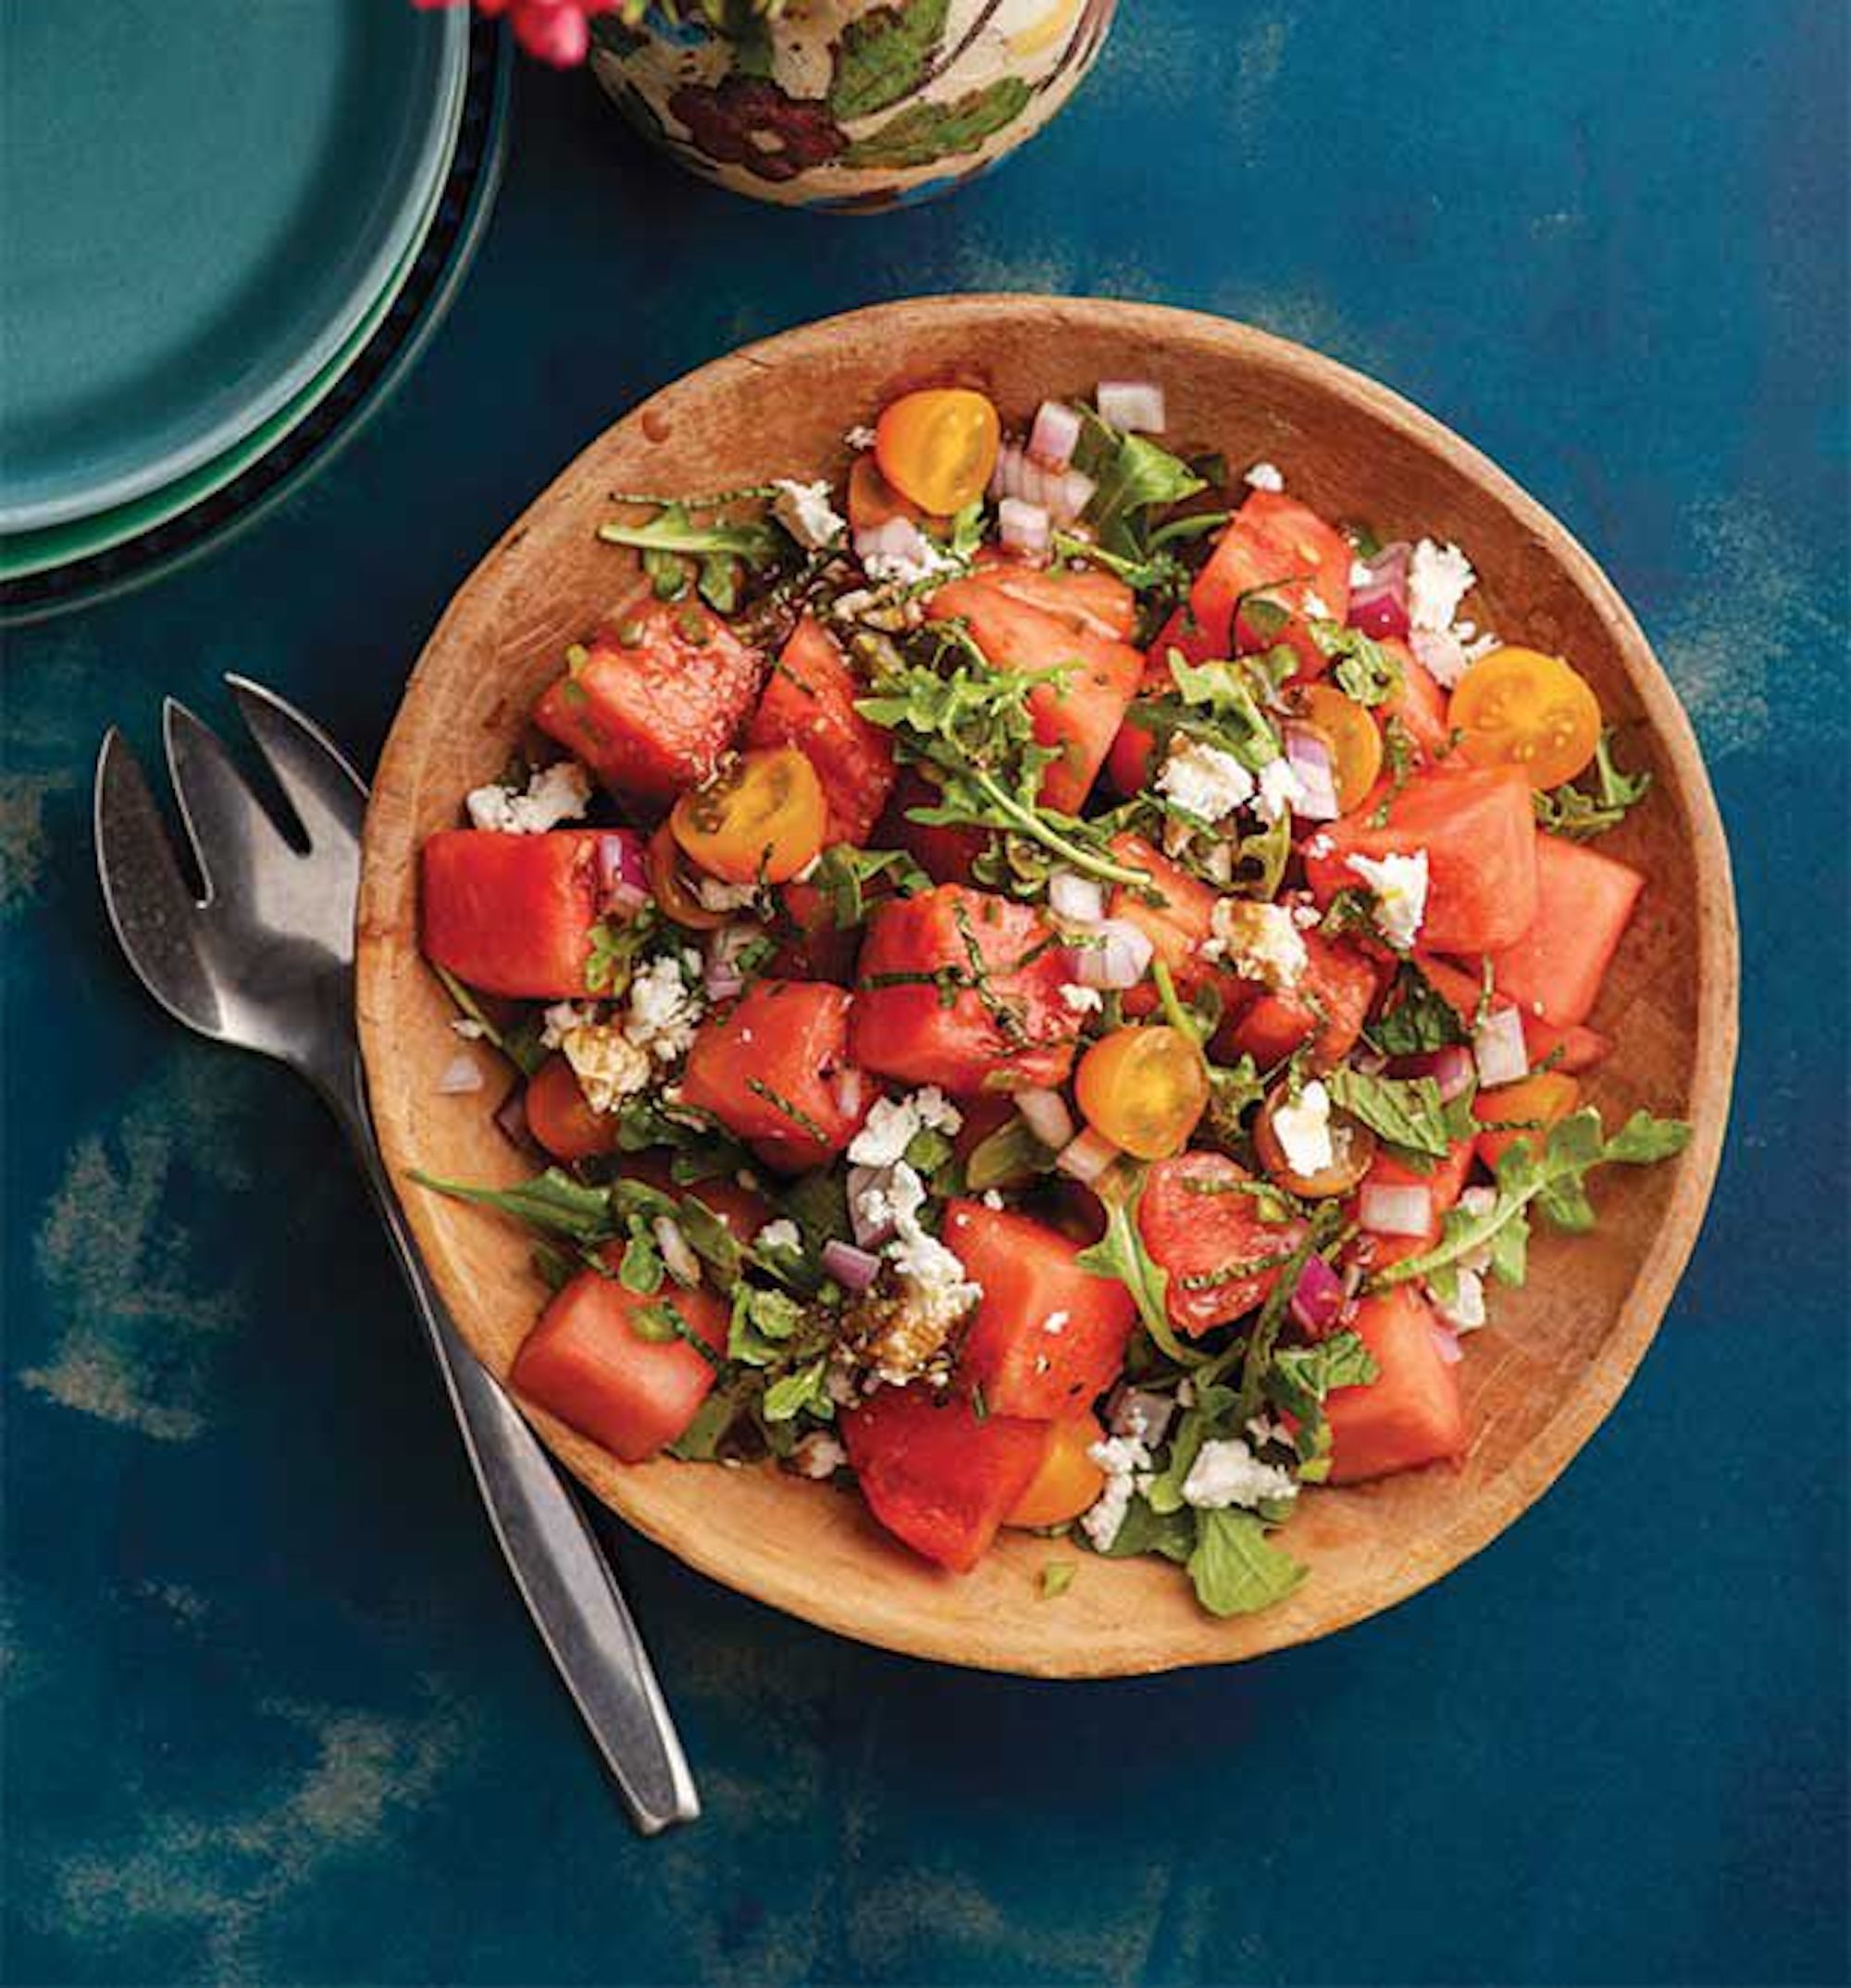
{"x":938,"y":447}
{"x":760,"y":820}
{"x":1354,"y":739}
{"x":1518,"y":707}
{"x":1518,"y":1114}
{"x":1144,"y":1089}
{"x":1352,"y":1149}
{"x":670,"y":889}
{"x":1068,"y":1483}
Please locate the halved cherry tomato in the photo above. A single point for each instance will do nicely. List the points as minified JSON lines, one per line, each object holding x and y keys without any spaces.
{"x":1144,"y":1089}
{"x":1067,"y":1483}
{"x":559,"y":1117}
{"x":938,"y":447}
{"x":1517,"y":707}
{"x":1509,"y":1113}
{"x":873,"y":501}
{"x":671,"y":890}
{"x":760,"y":821}
{"x":1354,"y":739}
{"x":1352,"y":1149}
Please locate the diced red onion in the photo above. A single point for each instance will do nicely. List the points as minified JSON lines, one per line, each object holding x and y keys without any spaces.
{"x":1369,"y":1062}
{"x":1135,"y":405}
{"x":1077,"y":900}
{"x":1055,"y":436}
{"x":1139,"y":1412}
{"x":870,"y":1235}
{"x":1309,"y":759}
{"x":1498,"y":1049}
{"x":894,"y":538}
{"x":1024,"y":527}
{"x":722,"y":978}
{"x":510,"y":1117}
{"x":460,"y":1075}
{"x":1445,"y":1344}
{"x":1394,"y":1210}
{"x":1087,"y":1157}
{"x":1450,"y":1068}
{"x":853,"y":1269}
{"x":1379,"y":604}
{"x":1317,"y":1299}
{"x":677,"y":1253}
{"x":623,"y":883}
{"x":1076,"y":493}
{"x":1063,"y":494}
{"x":846,"y":1088}
{"x":1118,"y":957}
{"x":1046,"y":1114}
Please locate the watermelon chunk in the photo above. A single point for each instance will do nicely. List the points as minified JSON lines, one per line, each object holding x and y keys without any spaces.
{"x":1583,"y":903}
{"x":1410,"y":1415}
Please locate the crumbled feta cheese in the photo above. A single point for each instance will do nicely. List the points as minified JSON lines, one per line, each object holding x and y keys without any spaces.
{"x":1439,"y":578}
{"x":1303,"y":1126}
{"x":1258,"y":942}
{"x":608,"y":1065}
{"x":1262,"y":1429}
{"x":665,"y":1008}
{"x":935,"y":1291}
{"x":806,"y":512}
{"x":1056,"y":1321}
{"x":1228,"y":1472}
{"x":555,"y":794}
{"x":1401,"y":887}
{"x":907,"y":556}
{"x":717,"y":897}
{"x":562,"y":1018}
{"x":860,"y":438}
{"x":779,"y":1235}
{"x":1316,"y":607}
{"x":1476,"y":1202}
{"x":1279,"y":790}
{"x":1478,"y":647}
{"x":991,"y":1198}
{"x":470,"y":1030}
{"x":1361,"y":573}
{"x":1203,"y":780}
{"x":1079,"y":999}
{"x":1464,"y":1312}
{"x":892,"y":1123}
{"x":1441,"y":653}
{"x":817,"y":1455}
{"x":1265,"y":477}
{"x":1122,"y":1458}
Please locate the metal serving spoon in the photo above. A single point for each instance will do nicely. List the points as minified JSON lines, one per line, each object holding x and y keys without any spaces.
{"x":265,"y":961}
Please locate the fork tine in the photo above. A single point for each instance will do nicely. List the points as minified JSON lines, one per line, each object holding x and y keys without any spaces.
{"x":328,"y":797}
{"x":230,"y":830}
{"x":151,"y":906}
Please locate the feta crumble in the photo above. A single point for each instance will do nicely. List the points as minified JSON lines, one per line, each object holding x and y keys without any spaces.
{"x":469,"y":1029}
{"x":782,"y":1234}
{"x":555,"y":794}
{"x":934,"y":1293}
{"x":664,"y":1010}
{"x":807,"y":513}
{"x":558,"y":1021}
{"x":1279,"y":790}
{"x":1056,"y":1321}
{"x":1080,"y":1000}
{"x":1258,"y":942}
{"x":1401,"y":887}
{"x":892,"y":1123}
{"x":1303,"y":1126}
{"x":817,"y":1455}
{"x":1203,"y":780}
{"x":1228,"y":1472}
{"x":716,"y":896}
{"x":861,"y":439}
{"x":1265,"y":477}
{"x":608,"y":1065}
{"x":1439,"y":578}
{"x":1123,"y":1458}
{"x":908,"y":557}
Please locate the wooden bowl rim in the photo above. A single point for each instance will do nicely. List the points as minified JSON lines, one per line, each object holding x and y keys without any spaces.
{"x":1586,"y":1402}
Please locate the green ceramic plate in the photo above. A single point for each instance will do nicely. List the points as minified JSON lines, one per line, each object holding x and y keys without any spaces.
{"x":201,"y":202}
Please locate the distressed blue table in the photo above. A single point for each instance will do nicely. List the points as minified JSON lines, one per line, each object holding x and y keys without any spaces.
{"x":273,"y":1714}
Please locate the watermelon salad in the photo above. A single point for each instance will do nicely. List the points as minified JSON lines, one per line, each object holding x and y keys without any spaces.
{"x":1046,"y":981}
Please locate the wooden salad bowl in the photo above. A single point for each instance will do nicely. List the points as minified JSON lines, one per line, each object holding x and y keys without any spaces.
{"x":1537,"y":1381}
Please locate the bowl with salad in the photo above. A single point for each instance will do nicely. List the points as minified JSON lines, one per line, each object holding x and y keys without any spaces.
{"x":1055,"y":985}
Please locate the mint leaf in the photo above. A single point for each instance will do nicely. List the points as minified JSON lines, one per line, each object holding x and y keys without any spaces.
{"x":1363,"y":669}
{"x":1417,"y":1019}
{"x":1236,"y":1569}
{"x":1407,"y":1111}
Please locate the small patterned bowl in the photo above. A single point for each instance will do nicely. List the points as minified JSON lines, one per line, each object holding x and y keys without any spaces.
{"x":853,"y":105}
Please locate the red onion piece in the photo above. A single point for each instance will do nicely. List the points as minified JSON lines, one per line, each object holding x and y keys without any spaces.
{"x":1117,"y":959}
{"x":1445,"y":1344}
{"x":1318,"y":1297}
{"x":870,"y":1235}
{"x":623,"y":883}
{"x":1023,"y":527}
{"x":1134,"y":406}
{"x":460,"y":1075}
{"x":853,"y":1269}
{"x":1077,"y":900}
{"x":1139,"y":1412}
{"x":895,"y":537}
{"x":1450,"y":1068}
{"x":846,"y":1087}
{"x":1386,"y":1211}
{"x":1047,"y":1116}
{"x":1076,"y":493}
{"x":1379,"y":604}
{"x":1498,"y":1049}
{"x":721,"y":979}
{"x":1063,"y":495}
{"x":1087,"y":1158}
{"x":1309,"y":759}
{"x":510,"y":1117}
{"x":1055,"y":436}
{"x":677,"y":1253}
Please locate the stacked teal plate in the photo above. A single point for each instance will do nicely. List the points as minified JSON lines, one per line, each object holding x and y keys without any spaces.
{"x":208,"y":214}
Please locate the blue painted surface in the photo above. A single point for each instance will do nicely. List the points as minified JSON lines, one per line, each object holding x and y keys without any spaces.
{"x":273,"y":1714}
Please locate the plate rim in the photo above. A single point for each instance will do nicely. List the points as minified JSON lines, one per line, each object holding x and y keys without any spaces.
{"x":1648,"y":1297}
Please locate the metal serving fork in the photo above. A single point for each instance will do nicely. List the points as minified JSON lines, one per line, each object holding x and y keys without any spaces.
{"x":264,"y":961}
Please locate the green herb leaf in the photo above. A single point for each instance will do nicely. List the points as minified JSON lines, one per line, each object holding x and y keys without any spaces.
{"x":1362,"y":669}
{"x":1236,"y":1569}
{"x":552,"y":1203}
{"x":1417,"y":1018}
{"x":1120,"y":1253}
{"x":1131,"y":474}
{"x":805,"y":1391}
{"x":1057,"y":1577}
{"x":1573,"y":812}
{"x":673,"y":530}
{"x":1407,"y":1111}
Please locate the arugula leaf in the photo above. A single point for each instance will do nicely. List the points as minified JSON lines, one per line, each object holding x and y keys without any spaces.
{"x":804,"y":1391}
{"x":1571,"y":811}
{"x":615,"y":947}
{"x":1553,"y":1180}
{"x":1130,"y":475}
{"x":1120,"y":1253}
{"x":672,"y":529}
{"x":520,"y":1044}
{"x":1407,"y":1111}
{"x":1057,"y":1577}
{"x":1171,"y":1533}
{"x":1363,"y":669}
{"x":843,"y":873}
{"x":1234,"y":1090}
{"x":1417,"y":1019}
{"x":552,"y":1203}
{"x":1236,"y":1569}
{"x":1007,"y":1158}
{"x":1299,"y":1382}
